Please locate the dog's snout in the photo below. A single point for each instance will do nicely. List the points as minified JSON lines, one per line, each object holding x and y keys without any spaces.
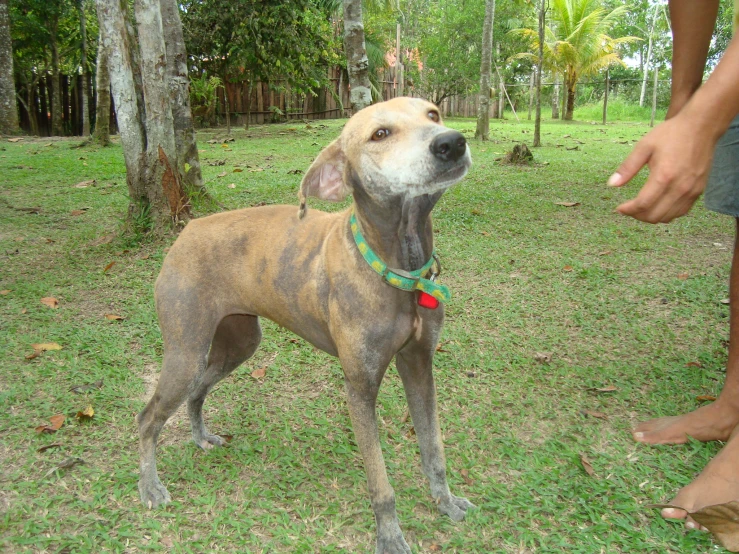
{"x":449,"y":146}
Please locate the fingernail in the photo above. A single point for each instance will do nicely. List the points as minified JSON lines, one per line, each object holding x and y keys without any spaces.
{"x":614,"y":180}
{"x":690,"y":525}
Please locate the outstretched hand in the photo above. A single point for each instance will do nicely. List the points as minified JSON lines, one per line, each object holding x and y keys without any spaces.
{"x":679,"y":154}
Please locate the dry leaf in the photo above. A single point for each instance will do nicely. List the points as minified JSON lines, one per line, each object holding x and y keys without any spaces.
{"x":238,"y":170}
{"x":76,"y":212}
{"x":609,"y":388}
{"x":232,"y":186}
{"x":693,"y":364}
{"x":144,"y":257}
{"x":86,"y":414}
{"x":435,"y":547}
{"x":78,"y":389}
{"x":15,"y":139}
{"x":411,"y":432}
{"x":48,"y":446}
{"x":113,"y":317}
{"x":56,"y":422}
{"x":223,"y":174}
{"x":567,"y":204}
{"x":682,"y":276}
{"x":466,"y":476}
{"x":591,"y":413}
{"x":543,"y":357}
{"x":567,"y":268}
{"x":4,"y":292}
{"x":405,"y":417}
{"x":84,"y":184}
{"x":107,"y":267}
{"x":605,"y":253}
{"x":66,"y":464}
{"x":705,"y":398}
{"x":50,"y":301}
{"x":45,"y":346}
{"x":586,"y":465}
{"x":259,"y":373}
{"x":723,"y":521}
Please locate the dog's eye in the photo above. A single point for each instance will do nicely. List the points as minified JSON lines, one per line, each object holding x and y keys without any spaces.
{"x":434,"y":116}
{"x":381,"y":134}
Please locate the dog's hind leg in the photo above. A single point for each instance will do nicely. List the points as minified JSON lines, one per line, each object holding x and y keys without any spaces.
{"x":236,"y":339}
{"x":414,"y":367}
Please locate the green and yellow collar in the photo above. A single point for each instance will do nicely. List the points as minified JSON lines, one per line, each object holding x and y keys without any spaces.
{"x":398,"y":278}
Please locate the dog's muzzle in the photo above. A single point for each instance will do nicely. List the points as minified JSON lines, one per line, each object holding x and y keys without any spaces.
{"x":448,"y":146}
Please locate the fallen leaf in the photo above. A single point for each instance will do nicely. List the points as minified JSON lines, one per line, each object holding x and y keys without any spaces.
{"x":466,"y":476}
{"x":45,"y":346}
{"x":295,"y":172}
{"x":567,"y":268}
{"x":79,"y":389}
{"x":723,"y":521}
{"x":543,"y":357}
{"x":435,"y":547}
{"x":50,"y":301}
{"x":56,"y":423}
{"x":567,"y":204}
{"x":609,"y":388}
{"x":23,"y":311}
{"x":86,"y":414}
{"x":705,"y":398}
{"x":238,"y":170}
{"x":586,"y":465}
{"x":15,"y":139}
{"x":223,"y":174}
{"x":76,"y":212}
{"x":598,"y":415}
{"x":144,"y":257}
{"x":259,"y":373}
{"x":232,"y":186}
{"x":725,"y":301}
{"x":107,"y":267}
{"x":49,"y":446}
{"x":411,"y":432}
{"x":84,"y":184}
{"x":4,"y":292}
{"x":682,"y":276}
{"x":113,"y":317}
{"x":66,"y":464}
{"x":405,"y":417}
{"x":693,"y":364}
{"x":605,"y":253}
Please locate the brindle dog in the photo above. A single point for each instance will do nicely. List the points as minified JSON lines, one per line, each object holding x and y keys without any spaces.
{"x":304,"y":271}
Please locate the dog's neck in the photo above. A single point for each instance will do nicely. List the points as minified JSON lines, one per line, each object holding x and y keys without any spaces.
{"x":398,"y":229}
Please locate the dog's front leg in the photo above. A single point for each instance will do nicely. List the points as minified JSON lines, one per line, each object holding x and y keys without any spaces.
{"x":414,"y":367}
{"x":362,"y":395}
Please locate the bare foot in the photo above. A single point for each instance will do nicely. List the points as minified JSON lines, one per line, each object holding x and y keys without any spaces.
{"x":718,"y":483}
{"x":713,"y":422}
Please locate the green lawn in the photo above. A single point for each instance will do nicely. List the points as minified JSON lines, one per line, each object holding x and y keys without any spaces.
{"x":618,"y":304}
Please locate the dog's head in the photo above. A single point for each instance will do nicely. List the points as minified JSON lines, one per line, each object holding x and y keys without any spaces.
{"x":395,"y":149}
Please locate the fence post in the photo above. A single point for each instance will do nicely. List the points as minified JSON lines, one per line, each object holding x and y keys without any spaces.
{"x":654,"y":94}
{"x":605,"y":96}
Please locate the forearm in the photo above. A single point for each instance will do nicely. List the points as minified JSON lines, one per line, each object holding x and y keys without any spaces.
{"x":692,"y":28}
{"x":716,"y":103}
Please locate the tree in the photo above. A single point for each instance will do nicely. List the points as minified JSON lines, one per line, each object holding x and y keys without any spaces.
{"x":576,"y":43}
{"x":101,"y":135}
{"x":85,"y":70}
{"x":483,"y":112}
{"x":356,"y":56}
{"x":8,"y":109}
{"x":144,"y":112}
{"x":539,"y":65}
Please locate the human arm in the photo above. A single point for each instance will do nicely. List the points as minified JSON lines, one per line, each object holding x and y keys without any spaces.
{"x":680,"y":150}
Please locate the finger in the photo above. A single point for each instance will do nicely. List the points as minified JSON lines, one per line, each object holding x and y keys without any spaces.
{"x":646,"y":201}
{"x":638,"y":158}
{"x":674,"y":513}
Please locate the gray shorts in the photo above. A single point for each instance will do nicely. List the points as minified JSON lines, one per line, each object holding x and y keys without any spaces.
{"x":722,"y":190}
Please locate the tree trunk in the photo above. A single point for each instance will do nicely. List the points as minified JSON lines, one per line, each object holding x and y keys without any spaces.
{"x":482,"y":132}
{"x":57,"y":127}
{"x":571,"y":82}
{"x":654,"y":95}
{"x":357,"y":65}
{"x":85,"y":71}
{"x":645,"y":65}
{"x":8,"y":106}
{"x":537,"y":123}
{"x":102,"y":84}
{"x":188,"y":161}
{"x":555,"y":97}
{"x":605,"y":97}
{"x":532,"y":86}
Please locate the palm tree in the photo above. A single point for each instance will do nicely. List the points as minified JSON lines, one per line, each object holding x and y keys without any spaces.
{"x":576,"y":42}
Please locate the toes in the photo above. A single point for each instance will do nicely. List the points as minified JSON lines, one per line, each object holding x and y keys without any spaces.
{"x":674,"y":513}
{"x":154,"y":494}
{"x":463,"y":503}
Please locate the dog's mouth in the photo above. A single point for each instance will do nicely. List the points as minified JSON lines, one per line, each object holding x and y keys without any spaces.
{"x":455,"y":173}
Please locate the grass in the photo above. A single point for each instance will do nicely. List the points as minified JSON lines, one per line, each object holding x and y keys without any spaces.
{"x":608,"y":297}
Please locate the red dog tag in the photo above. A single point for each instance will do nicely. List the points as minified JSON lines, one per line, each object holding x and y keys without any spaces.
{"x":427,"y":301}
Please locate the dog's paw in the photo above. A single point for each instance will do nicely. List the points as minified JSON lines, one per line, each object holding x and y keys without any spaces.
{"x":153,"y":493}
{"x":394,"y":544}
{"x":208,"y":441}
{"x":455,"y":507}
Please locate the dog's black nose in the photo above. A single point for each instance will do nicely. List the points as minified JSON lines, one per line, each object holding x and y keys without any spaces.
{"x":449,"y":146}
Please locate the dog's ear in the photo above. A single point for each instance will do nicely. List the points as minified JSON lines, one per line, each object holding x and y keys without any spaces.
{"x":325,"y":177}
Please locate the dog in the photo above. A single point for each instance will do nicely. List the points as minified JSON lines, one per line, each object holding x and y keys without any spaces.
{"x":358,"y":284}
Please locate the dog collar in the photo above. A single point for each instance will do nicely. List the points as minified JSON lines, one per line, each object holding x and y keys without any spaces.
{"x":400,"y":279}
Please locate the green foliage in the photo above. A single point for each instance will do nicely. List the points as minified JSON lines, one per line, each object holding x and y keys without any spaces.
{"x":203,"y":97}
{"x":262,"y":41}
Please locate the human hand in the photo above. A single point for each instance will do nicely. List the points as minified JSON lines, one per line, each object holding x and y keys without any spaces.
{"x":679,"y":154}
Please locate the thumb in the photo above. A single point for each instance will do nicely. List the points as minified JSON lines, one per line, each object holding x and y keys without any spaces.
{"x":638,"y":158}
